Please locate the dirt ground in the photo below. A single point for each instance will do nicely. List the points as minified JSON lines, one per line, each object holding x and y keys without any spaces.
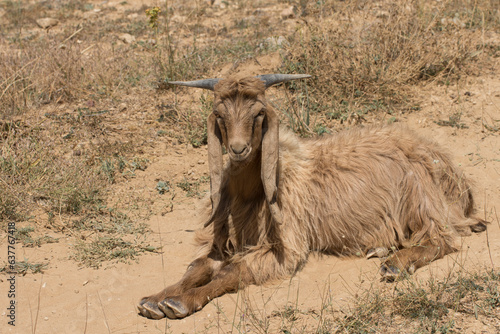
{"x":68,"y":298}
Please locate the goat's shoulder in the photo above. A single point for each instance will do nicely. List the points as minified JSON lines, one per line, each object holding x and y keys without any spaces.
{"x":291,"y":144}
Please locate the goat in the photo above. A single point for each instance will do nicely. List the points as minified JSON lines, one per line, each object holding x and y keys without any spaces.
{"x":361,"y":191}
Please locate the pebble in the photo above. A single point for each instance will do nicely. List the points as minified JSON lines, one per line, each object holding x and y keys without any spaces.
{"x":288,"y":13}
{"x":46,"y":22}
{"x":126,"y":38}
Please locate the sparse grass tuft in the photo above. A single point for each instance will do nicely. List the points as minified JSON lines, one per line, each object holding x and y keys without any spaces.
{"x":106,"y":248}
{"x":24,"y":267}
{"x":23,"y":234}
{"x":428,"y":307}
{"x":192,"y":188}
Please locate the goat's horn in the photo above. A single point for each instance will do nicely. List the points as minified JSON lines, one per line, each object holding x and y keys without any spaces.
{"x":205,"y":83}
{"x":273,"y":79}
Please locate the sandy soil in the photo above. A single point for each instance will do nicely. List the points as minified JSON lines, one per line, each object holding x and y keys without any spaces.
{"x":67,"y":298}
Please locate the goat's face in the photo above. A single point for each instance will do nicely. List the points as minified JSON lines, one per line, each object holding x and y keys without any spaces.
{"x":241,"y":113}
{"x":240,"y":120}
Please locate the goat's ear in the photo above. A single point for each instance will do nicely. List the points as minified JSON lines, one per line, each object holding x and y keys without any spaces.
{"x":214,"y":138}
{"x":270,"y":155}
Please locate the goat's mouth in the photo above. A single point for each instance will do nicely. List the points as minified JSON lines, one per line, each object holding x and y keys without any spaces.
{"x":240,"y":157}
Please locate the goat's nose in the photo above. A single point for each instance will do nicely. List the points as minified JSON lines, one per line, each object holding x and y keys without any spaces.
{"x":238,"y":148}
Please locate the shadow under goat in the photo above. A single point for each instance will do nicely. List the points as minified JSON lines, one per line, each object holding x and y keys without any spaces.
{"x":362,"y":191}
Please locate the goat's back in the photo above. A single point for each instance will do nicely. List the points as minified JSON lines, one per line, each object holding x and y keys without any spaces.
{"x":368,"y":187}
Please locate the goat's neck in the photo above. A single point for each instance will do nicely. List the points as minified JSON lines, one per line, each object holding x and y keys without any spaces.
{"x":245,"y":180}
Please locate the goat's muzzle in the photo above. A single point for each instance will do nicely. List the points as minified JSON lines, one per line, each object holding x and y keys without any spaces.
{"x":238,"y":153}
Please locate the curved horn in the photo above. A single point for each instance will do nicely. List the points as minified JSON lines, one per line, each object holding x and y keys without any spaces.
{"x":273,"y":79}
{"x":205,"y":83}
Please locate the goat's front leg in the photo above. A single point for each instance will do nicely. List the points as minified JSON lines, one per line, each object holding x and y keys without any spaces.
{"x":410,"y":259}
{"x":229,"y":279}
{"x":198,"y":273}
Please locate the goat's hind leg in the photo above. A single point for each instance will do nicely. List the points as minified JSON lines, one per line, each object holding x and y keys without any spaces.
{"x":198,"y":273}
{"x":408,"y":260}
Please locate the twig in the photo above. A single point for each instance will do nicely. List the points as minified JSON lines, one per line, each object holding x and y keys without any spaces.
{"x":38,"y":304}
{"x":487,"y":235}
{"x":70,"y":37}
{"x":102,"y":308}
{"x":86,"y":313}
{"x":90,"y":47}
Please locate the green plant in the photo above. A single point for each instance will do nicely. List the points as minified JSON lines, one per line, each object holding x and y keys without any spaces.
{"x":24,"y":267}
{"x":163,"y":187}
{"x":23,"y":234}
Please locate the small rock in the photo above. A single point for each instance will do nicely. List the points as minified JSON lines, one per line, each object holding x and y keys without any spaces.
{"x":122,"y":106}
{"x":218,"y":3}
{"x":46,"y":318}
{"x":288,"y":13}
{"x":273,"y":42}
{"x":46,"y":22}
{"x":382,"y":14}
{"x":88,"y":15}
{"x":201,"y":162}
{"x":126,"y":38}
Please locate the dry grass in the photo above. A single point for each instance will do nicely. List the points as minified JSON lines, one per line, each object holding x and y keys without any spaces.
{"x":367,"y":58}
{"x":432,"y":306}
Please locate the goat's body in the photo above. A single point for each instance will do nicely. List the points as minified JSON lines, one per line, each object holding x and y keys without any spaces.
{"x":345,"y":194}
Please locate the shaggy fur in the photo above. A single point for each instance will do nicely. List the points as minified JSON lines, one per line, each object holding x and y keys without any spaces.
{"x":345,"y":194}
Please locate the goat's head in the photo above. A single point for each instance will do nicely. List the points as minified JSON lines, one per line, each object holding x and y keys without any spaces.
{"x":246,"y":124}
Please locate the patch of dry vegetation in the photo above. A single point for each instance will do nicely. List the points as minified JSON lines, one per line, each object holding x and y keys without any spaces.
{"x":368,"y":57}
{"x":433,"y":306}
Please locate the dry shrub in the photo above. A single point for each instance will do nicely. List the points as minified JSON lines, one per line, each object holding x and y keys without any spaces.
{"x":52,"y":71}
{"x":365,"y":56}
{"x":32,"y":174}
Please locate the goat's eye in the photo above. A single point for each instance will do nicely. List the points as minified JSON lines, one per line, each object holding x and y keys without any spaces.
{"x":261,"y":112}
{"x":216,"y":114}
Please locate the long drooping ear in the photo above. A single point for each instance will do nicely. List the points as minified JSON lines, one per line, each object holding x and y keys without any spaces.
{"x":214,"y":138}
{"x":270,"y":160}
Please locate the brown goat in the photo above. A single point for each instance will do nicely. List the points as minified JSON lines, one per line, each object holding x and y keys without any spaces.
{"x":279,"y":199}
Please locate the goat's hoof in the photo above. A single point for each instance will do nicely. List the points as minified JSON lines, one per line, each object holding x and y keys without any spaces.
{"x":150,"y":309}
{"x":379,"y":252}
{"x":479,"y":227}
{"x":389,"y":272}
{"x":173,"y":309}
